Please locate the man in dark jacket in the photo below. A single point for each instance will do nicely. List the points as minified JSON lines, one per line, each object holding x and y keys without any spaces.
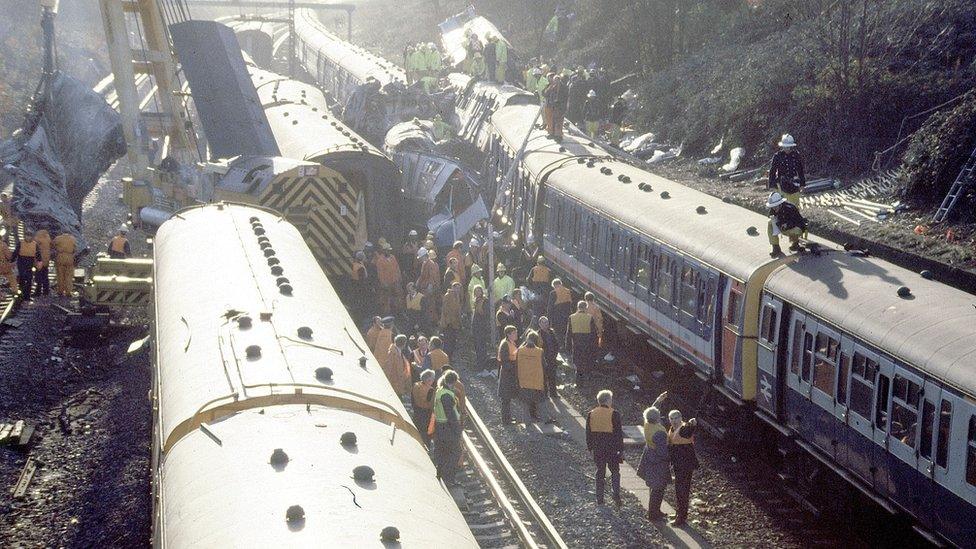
{"x":594,"y":111}
{"x":557,"y":97}
{"x":491,"y":58}
{"x":27,"y":254}
{"x":576,"y":92}
{"x":784,"y":218}
{"x":618,"y":110}
{"x":684,"y":461}
{"x":550,"y":357}
{"x":786,"y":171}
{"x":605,"y":439}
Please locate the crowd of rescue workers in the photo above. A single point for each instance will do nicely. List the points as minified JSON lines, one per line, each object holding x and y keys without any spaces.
{"x":424,"y":312}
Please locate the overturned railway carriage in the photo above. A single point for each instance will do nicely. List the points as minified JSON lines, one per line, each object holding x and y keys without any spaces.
{"x":848,"y":374}
{"x":268,"y":406}
{"x":304,"y":129}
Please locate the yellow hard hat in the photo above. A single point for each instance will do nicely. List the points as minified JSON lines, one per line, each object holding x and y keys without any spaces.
{"x":500,"y":268}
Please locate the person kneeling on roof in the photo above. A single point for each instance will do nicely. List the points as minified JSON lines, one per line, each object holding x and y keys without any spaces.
{"x":784,"y":218}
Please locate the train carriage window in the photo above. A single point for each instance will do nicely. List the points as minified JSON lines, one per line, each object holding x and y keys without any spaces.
{"x":665,"y":289}
{"x":825,"y":367}
{"x":971,"y":452}
{"x":613,"y":245}
{"x":706,"y":301}
{"x":842,"y":378}
{"x":577,"y":228}
{"x":881,"y":402}
{"x":632,"y":269}
{"x":807,"y":356}
{"x":862,"y":385}
{"x":928,"y":429}
{"x":643,"y":268}
{"x":594,"y":237}
{"x":767,"y":329}
{"x":688,"y":299}
{"x":732,"y":310}
{"x":945,"y":431}
{"x":797,"y":348}
{"x":904,"y":410}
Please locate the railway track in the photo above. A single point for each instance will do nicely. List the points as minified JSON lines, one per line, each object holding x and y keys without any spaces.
{"x":497,"y":505}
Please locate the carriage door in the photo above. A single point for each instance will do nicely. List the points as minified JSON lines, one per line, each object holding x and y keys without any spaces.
{"x":769,"y":322}
{"x":797,"y":397}
{"x":882,"y":419}
{"x":928,"y":429}
{"x":733,"y":299}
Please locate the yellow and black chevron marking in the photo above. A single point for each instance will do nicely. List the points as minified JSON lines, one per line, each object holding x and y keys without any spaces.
{"x":325,"y":208}
{"x":122,"y":297}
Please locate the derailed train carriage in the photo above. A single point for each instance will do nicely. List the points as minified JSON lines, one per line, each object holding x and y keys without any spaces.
{"x":294,"y":155}
{"x":854,"y":364}
{"x":274,"y":425}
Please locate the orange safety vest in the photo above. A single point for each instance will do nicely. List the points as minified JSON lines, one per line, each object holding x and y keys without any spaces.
{"x":415,"y":303}
{"x":64,"y":245}
{"x":419,"y":356}
{"x":438,"y":359}
{"x":579,"y":323}
{"x":675,"y":439}
{"x":118,"y":244}
{"x":28,"y":249}
{"x":420,"y":392}
{"x":387,"y":271}
{"x":512,"y":351}
{"x":563,"y":295}
{"x":529,"y":363}
{"x":541,"y":274}
{"x":601,"y":419}
{"x":358,"y":270}
{"x":43,"y":239}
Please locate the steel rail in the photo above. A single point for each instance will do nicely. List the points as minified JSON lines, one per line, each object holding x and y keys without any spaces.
{"x":552,"y":537}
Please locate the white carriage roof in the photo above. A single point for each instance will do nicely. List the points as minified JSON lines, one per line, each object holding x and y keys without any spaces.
{"x":228,"y":494}
{"x":718,"y":237}
{"x":207,"y":358}
{"x":355,"y":60}
{"x":932,"y":329}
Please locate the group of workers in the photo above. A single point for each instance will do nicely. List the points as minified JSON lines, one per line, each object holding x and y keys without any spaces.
{"x":667,"y":446}
{"x":423,"y":63}
{"x":488,"y":60}
{"x":434,"y":301}
{"x":580,"y":95}
{"x":30,"y":260}
{"x":32,"y":255}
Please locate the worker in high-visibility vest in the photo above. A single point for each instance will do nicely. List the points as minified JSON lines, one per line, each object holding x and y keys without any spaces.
{"x":559,"y":307}
{"x":28,"y":257}
{"x":432,"y":61}
{"x":594,"y":309}
{"x":539,"y":281}
{"x":684,"y":461}
{"x":581,"y":339}
{"x":422,"y":399}
{"x":501,"y":60}
{"x":42,"y":280}
{"x":528,"y":361}
{"x":447,"y":428}
{"x":397,"y":365}
{"x":437,"y":357}
{"x":65,"y":247}
{"x":605,"y":439}
{"x":382,"y":341}
{"x":118,"y":247}
{"x":507,"y":372}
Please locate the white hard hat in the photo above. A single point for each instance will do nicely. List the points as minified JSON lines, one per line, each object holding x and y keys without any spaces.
{"x":591,"y":93}
{"x":422,"y":253}
{"x":775,"y":199}
{"x":123,"y":229}
{"x":787,"y":141}
{"x":537,"y":71}
{"x":412,"y":233}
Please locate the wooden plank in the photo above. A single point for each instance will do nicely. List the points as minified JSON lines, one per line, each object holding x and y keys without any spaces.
{"x":25,"y":437}
{"x":5,"y":432}
{"x":17,"y":430}
{"x":25,"y":478}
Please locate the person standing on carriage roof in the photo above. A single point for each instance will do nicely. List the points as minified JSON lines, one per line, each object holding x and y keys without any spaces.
{"x":786,"y":172}
{"x":784,"y":218}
